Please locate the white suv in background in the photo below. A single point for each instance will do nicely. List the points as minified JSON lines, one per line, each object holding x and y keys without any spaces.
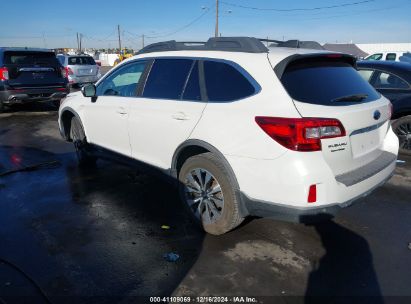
{"x":243,"y":130}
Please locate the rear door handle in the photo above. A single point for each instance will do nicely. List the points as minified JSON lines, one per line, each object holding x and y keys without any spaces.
{"x":180,"y":116}
{"x":121,"y":111}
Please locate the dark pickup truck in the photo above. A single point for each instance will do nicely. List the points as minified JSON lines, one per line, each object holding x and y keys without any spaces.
{"x":28,"y":74}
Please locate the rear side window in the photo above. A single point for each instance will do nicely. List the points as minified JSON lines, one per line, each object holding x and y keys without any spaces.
{"x":391,"y":56}
{"x":389,"y":81}
{"x":225,"y":83}
{"x":366,"y":74}
{"x":81,"y":60}
{"x":323,"y":82}
{"x":192,"y":90}
{"x":30,"y":58}
{"x":167,"y":78}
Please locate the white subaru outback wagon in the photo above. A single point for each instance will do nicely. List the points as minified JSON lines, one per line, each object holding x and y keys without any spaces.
{"x":243,"y":130}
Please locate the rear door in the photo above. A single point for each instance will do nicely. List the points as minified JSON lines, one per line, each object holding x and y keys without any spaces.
{"x":167,"y":112}
{"x":83,"y":66}
{"x":30,"y":69}
{"x":328,"y":86}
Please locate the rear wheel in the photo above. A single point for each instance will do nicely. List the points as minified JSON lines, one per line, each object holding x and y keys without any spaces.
{"x":402,"y":127}
{"x":78,"y":137}
{"x":208,"y":194}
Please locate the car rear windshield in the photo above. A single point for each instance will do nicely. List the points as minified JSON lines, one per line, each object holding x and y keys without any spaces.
{"x":81,"y":60}
{"x":30,"y":58}
{"x":326,"y":82}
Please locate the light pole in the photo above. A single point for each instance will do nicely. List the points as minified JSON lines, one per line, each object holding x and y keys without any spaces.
{"x":216,"y":18}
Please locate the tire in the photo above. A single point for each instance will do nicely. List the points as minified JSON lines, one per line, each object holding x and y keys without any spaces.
{"x":220,"y":211}
{"x":402,"y":128}
{"x":1,"y":107}
{"x":78,"y":137}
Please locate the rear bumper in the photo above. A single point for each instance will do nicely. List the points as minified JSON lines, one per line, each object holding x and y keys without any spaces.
{"x":10,"y":97}
{"x":279,"y":188}
{"x":83,"y":79}
{"x":299,"y":214}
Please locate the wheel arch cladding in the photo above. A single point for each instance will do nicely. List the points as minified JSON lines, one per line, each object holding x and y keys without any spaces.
{"x":194,"y":147}
{"x":66,"y":117}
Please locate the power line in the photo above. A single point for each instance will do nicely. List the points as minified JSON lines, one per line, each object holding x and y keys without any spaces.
{"x":297,"y":9}
{"x":182,"y":28}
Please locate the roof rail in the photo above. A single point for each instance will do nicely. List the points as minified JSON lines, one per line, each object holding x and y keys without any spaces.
{"x":296,"y":44}
{"x":229,"y":44}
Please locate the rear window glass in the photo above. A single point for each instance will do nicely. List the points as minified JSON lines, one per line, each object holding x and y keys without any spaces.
{"x":323,"y":82}
{"x":225,"y":83}
{"x":167,"y":78}
{"x":30,"y":58}
{"x":81,"y":60}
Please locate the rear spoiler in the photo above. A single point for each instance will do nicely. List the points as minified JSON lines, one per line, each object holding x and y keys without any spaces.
{"x":307,"y":58}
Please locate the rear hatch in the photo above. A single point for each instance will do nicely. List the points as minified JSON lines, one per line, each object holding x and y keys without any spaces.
{"x":328,"y":86}
{"x":33,"y":69}
{"x":83,"y":65}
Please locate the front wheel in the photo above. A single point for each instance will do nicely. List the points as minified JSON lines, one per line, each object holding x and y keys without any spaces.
{"x":402,"y":127}
{"x":208,"y":194}
{"x":78,"y":137}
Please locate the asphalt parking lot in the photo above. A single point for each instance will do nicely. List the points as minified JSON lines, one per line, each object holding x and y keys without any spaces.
{"x":95,"y":236}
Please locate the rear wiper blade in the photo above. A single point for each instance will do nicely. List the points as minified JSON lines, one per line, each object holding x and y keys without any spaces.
{"x":354,"y":97}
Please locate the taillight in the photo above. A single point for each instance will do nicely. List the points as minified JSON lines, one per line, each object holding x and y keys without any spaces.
{"x":301,"y":134}
{"x":4,"y":74}
{"x":68,"y":72}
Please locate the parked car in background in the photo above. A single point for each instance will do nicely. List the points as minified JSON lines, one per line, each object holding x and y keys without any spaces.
{"x":241,"y":129}
{"x":29,"y":74}
{"x":80,"y":69}
{"x":393,"y":80}
{"x":389,"y":56}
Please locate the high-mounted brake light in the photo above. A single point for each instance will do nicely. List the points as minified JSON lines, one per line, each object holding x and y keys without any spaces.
{"x":334,"y":55}
{"x":4,"y":74}
{"x":301,"y":134}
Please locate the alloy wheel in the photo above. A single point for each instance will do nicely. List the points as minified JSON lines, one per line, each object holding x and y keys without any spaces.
{"x":204,"y":195}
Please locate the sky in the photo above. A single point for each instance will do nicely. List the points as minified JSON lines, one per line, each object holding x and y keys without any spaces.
{"x":52,"y":24}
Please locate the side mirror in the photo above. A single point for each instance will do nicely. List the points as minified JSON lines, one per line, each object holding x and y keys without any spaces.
{"x":89,"y":90}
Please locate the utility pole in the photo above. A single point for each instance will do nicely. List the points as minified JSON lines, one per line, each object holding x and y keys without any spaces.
{"x":119,"y":38}
{"x":216,"y":19}
{"x":81,"y":37}
{"x":142,"y":37}
{"x":78,"y":43}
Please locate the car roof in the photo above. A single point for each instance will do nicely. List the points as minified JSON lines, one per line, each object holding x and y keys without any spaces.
{"x":19,"y":49}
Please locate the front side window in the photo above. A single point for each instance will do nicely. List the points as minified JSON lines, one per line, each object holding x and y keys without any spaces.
{"x":122,"y":82}
{"x":391,"y":56}
{"x":167,"y":78}
{"x":390,"y":81}
{"x":375,"y":57}
{"x":225,"y":83}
